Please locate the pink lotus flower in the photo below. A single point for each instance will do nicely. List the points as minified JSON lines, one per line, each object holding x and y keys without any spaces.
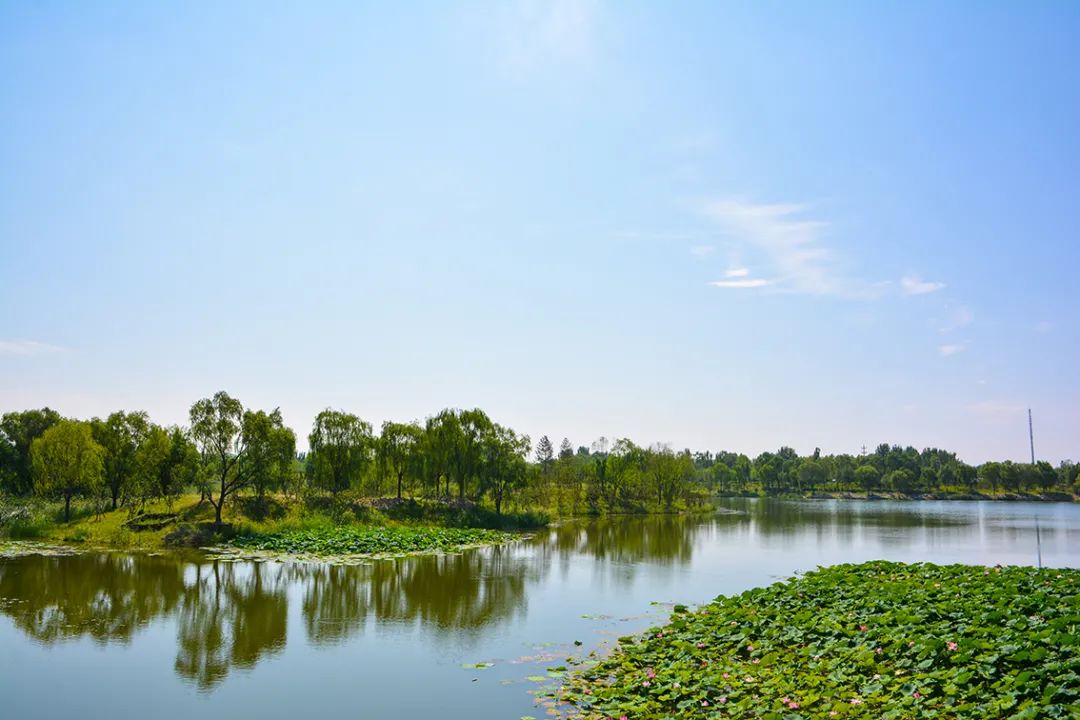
{"x":726,"y":675}
{"x":700,"y":646}
{"x":785,"y":699}
{"x":749,"y":648}
{"x":855,"y":701}
{"x":755,"y":661}
{"x":916,"y":695}
{"x":793,"y":705}
{"x":951,"y":645}
{"x":645,"y":683}
{"x":704,"y":703}
{"x":863,"y":628}
{"x":722,"y":700}
{"x":651,"y":673}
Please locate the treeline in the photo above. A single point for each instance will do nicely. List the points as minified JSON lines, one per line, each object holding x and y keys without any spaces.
{"x":889,"y":468}
{"x":126,"y":460}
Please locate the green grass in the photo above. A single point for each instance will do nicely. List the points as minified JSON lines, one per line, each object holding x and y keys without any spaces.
{"x":879,"y":640}
{"x":356,"y":540}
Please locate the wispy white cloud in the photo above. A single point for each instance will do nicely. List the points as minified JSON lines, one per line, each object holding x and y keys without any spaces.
{"x":790,"y":243}
{"x":912,"y":285}
{"x":702,"y":250}
{"x":535,"y":33}
{"x":744,"y":283}
{"x":27,"y":348}
{"x":951,"y":349}
{"x":1044,"y":326}
{"x":737,"y":272}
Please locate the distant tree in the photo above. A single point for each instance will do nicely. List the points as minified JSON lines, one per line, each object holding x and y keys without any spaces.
{"x":1047,"y":476}
{"x":990,"y":473}
{"x":867,"y":476}
{"x":120,"y":435}
{"x":18,"y":430}
{"x":545,"y":454}
{"x":341,"y":448}
{"x":566,"y":450}
{"x":67,"y":462}
{"x":812,"y":473}
{"x":900,"y":480}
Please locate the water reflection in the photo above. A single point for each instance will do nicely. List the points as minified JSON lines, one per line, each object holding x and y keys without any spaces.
{"x":229,"y":616}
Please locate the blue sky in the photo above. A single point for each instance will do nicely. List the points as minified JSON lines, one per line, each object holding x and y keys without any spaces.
{"x":715,"y":225}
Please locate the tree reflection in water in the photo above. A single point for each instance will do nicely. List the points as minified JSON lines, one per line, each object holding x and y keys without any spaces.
{"x":232,"y":615}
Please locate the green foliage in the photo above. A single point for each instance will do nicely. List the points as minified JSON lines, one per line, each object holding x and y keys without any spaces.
{"x":341,"y":450}
{"x":120,"y":436}
{"x":18,"y":430}
{"x":878,"y":640}
{"x":356,"y":540}
{"x":67,"y":462}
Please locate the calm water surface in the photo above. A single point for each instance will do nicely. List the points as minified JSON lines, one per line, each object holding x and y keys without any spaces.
{"x":133,"y":636}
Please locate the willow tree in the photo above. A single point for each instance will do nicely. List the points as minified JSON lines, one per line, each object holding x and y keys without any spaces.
{"x":399,"y":448}
{"x":341,"y":450}
{"x":67,"y":462}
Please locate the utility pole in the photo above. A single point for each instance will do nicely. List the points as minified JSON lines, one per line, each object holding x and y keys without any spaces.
{"x":1031,"y":437}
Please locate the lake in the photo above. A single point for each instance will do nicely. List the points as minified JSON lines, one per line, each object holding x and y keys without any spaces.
{"x":135,"y":636}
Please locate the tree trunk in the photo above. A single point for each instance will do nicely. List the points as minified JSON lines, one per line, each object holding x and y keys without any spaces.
{"x":399,"y":486}
{"x":67,"y":508}
{"x":115,"y":495}
{"x":217,"y":512}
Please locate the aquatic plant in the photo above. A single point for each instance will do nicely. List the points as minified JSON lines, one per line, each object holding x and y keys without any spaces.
{"x":358,"y":540}
{"x":878,"y":640}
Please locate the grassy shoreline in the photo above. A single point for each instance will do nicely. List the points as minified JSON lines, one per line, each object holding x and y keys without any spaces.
{"x":877,"y":640}
{"x":345,"y":527}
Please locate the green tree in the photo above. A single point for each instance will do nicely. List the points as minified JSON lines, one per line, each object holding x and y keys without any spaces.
{"x":341,"y":448}
{"x":900,"y":480}
{"x":120,"y":435}
{"x":867,"y":476}
{"x":812,"y":473}
{"x":217,"y":428}
{"x":67,"y":462}
{"x":545,"y":454}
{"x":18,"y":430}
{"x":399,"y":448}
{"x":271,"y":449}
{"x":990,"y":473}
{"x":503,"y":463}
{"x":566,"y":450}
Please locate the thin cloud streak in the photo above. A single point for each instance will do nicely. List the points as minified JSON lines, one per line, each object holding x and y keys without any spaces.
{"x":27,"y":348}
{"x":949,"y":350}
{"x":746,"y":283}
{"x":737,"y":272}
{"x":792,"y":245}
{"x":912,"y":285}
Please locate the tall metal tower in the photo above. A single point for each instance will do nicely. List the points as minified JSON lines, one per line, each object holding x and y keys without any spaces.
{"x":1031,"y":437}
